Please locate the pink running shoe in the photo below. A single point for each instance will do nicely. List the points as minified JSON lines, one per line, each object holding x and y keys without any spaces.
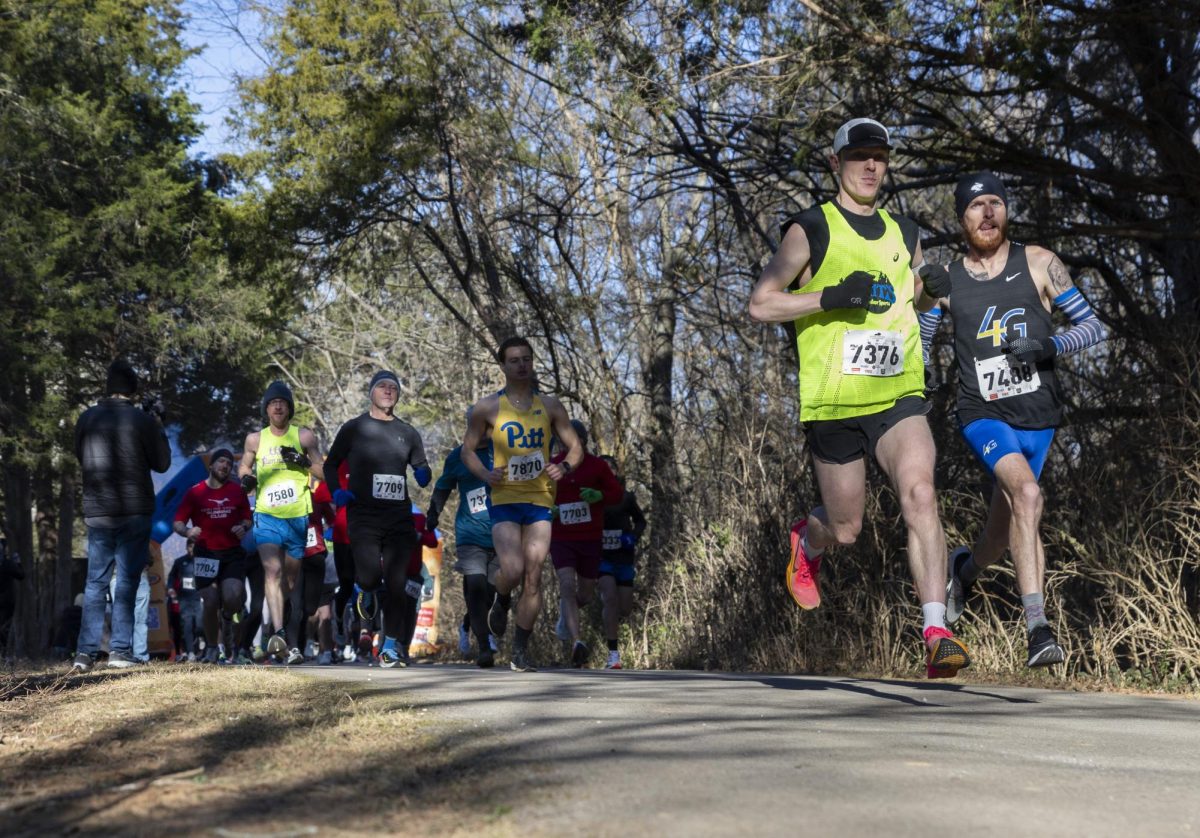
{"x":945,"y":654}
{"x":802,"y":580}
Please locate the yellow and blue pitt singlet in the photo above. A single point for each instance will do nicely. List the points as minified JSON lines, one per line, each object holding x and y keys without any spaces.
{"x":283,"y":490}
{"x":521,"y":446}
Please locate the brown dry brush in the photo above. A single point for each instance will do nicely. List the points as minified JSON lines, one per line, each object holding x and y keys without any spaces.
{"x":1121,"y":554}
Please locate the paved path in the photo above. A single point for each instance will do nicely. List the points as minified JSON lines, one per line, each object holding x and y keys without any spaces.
{"x":690,"y":753}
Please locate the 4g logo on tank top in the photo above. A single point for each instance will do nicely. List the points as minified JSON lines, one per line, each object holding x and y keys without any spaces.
{"x":997,"y":330}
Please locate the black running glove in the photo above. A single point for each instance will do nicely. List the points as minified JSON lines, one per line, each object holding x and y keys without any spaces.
{"x":249,"y":483}
{"x":936,"y":279}
{"x":297,"y":459}
{"x":1031,"y":350}
{"x":852,"y":292}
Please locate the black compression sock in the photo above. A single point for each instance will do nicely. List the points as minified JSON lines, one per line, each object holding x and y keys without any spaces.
{"x":505,"y":600}
{"x":522,"y":638}
{"x":612,"y":645}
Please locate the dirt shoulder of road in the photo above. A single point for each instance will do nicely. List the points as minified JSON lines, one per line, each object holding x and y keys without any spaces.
{"x":174,"y":749}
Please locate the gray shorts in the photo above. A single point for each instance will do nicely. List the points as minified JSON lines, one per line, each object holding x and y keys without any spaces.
{"x":473,"y":559}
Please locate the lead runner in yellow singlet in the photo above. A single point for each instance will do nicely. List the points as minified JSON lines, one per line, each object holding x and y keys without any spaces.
{"x":519,"y":423}
{"x":854,"y":299}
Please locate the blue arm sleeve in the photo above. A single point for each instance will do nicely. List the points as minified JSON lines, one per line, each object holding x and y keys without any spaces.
{"x":1086,"y":329}
{"x":928,"y":321}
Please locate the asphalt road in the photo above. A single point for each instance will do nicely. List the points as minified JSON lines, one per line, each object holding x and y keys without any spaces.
{"x":691,"y":753}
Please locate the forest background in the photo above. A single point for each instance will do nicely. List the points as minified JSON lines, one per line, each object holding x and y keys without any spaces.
{"x":420,"y":179}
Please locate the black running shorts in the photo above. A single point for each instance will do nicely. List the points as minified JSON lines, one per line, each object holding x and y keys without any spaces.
{"x":846,"y":440}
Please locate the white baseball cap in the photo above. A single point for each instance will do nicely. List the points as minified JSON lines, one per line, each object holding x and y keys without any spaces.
{"x":861,"y":133}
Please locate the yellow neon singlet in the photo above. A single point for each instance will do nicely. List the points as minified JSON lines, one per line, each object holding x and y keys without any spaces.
{"x":856,"y":362}
{"x":282,"y":490}
{"x":521,"y":448}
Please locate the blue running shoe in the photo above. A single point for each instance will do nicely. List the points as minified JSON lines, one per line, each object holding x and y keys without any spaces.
{"x":390,"y":656}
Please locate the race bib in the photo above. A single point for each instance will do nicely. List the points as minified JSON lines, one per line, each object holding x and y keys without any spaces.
{"x":1002,"y":378}
{"x":310,"y":540}
{"x":575,"y":513}
{"x":865,"y":352}
{"x":278,"y":496}
{"x":388,"y":487}
{"x":189,"y":583}
{"x":206,"y":567}
{"x":413,"y":588}
{"x":477,"y":500}
{"x":612,"y":540}
{"x":526,"y":467}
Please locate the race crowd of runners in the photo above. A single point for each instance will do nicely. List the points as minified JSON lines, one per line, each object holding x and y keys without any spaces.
{"x":331,"y":548}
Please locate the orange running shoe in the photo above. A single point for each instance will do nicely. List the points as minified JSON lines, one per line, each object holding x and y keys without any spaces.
{"x":945,"y":654}
{"x":802,"y":580}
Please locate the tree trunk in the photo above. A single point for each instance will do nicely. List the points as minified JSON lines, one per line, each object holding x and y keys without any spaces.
{"x":658,"y":361}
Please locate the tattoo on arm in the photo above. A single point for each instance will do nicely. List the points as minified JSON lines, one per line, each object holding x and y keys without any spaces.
{"x":1060,"y":278}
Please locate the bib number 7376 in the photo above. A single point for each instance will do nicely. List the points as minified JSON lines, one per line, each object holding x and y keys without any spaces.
{"x":866,"y":352}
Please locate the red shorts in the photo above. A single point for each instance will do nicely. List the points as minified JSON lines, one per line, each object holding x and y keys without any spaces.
{"x":583,"y":557}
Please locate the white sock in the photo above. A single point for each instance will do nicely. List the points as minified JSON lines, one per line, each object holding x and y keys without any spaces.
{"x":809,"y":550}
{"x":935,"y":615}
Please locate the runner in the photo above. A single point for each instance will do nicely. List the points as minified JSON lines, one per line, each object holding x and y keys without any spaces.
{"x":219,"y":514}
{"x":276,"y":465}
{"x":861,"y":374}
{"x":379,"y":449}
{"x":521,"y":490}
{"x":1000,"y":296}
{"x":305,"y":600}
{"x":624,"y":524}
{"x":576,"y":539}
{"x":476,"y":554}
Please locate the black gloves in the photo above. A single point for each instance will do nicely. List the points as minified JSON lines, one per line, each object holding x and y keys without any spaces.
{"x":852,"y":292}
{"x":1031,"y":351}
{"x":249,"y":483}
{"x":297,"y":459}
{"x":936,"y":279}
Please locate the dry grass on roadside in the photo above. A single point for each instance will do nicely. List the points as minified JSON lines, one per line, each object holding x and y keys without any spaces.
{"x":231,"y":751}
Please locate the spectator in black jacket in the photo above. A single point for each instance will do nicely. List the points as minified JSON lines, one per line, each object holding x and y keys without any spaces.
{"x":11,"y":572}
{"x":117,"y":444}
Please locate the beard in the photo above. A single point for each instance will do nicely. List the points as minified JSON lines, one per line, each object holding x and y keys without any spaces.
{"x":988,"y":239}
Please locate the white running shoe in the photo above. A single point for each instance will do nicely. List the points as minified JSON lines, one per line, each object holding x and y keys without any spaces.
{"x":349,"y":654}
{"x":295,"y":656}
{"x":614,"y":660}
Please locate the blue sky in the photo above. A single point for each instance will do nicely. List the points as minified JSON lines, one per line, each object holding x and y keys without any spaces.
{"x":227,"y":32}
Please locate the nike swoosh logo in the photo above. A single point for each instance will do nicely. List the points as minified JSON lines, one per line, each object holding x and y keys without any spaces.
{"x":1011,"y":278}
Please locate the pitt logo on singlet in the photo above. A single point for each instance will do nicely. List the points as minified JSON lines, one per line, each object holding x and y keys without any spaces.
{"x":518,"y":437}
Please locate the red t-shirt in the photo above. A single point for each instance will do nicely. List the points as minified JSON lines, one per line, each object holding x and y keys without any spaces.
{"x":320,"y":517}
{"x":216,"y":512}
{"x":579,"y":521}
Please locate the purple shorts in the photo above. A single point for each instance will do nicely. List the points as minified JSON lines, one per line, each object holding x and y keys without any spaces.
{"x":583,"y":557}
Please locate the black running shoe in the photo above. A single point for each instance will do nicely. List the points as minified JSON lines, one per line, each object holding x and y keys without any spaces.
{"x":485,"y":659}
{"x":520,"y":662}
{"x":498,"y":618}
{"x":957,"y":591}
{"x":579,"y":654}
{"x":1044,"y":649}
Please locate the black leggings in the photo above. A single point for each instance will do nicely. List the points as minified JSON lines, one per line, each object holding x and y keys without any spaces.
{"x":343,"y":560}
{"x":256,"y":579}
{"x":383,"y":549}
{"x":305,"y":599}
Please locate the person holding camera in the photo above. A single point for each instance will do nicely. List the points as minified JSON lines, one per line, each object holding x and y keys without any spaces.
{"x":276,"y":465}
{"x":117,"y":446}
